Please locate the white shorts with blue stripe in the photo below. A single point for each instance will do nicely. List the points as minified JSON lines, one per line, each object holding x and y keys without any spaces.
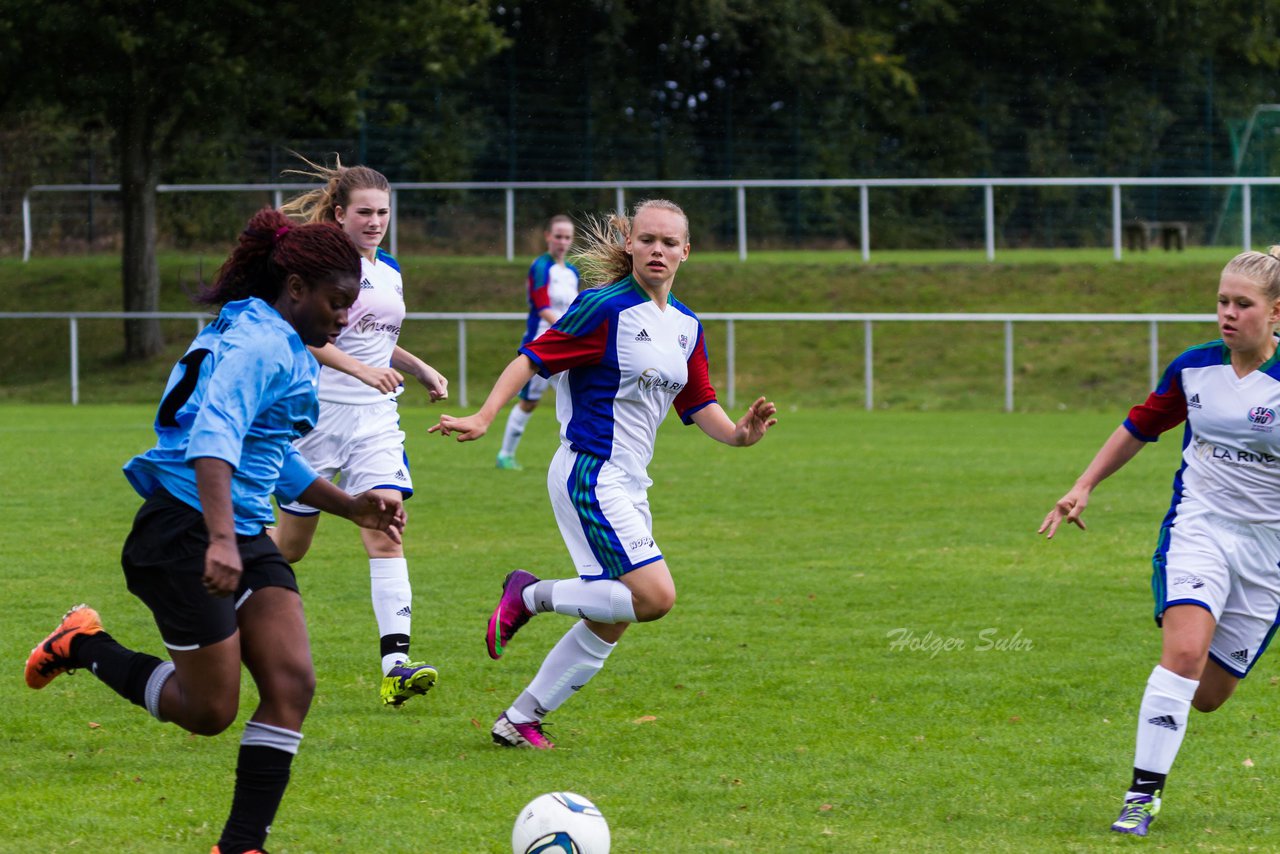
{"x":603,"y":514}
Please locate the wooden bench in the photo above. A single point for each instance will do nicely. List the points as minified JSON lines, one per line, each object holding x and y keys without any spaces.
{"x":1139,"y":233}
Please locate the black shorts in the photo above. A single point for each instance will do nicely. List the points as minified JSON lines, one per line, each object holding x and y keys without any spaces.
{"x":163,"y":560}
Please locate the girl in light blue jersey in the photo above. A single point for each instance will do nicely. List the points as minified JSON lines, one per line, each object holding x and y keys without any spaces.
{"x":198,"y":554}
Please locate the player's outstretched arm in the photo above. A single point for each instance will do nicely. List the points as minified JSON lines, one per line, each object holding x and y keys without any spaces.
{"x":383,"y":512}
{"x":471,"y":427}
{"x":384,"y":379}
{"x":1120,"y":447}
{"x":747,"y":430}
{"x":433,"y":381}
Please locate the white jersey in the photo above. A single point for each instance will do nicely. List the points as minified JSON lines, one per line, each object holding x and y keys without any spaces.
{"x":373,"y":328}
{"x":1231,"y":445}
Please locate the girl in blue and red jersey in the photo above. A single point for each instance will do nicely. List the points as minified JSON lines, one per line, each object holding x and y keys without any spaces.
{"x":626,"y":353}
{"x":552,"y":286}
{"x":1215,"y":578}
{"x":198,"y":555}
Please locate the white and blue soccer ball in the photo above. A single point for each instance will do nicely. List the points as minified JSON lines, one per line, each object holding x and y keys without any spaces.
{"x":560,"y":823}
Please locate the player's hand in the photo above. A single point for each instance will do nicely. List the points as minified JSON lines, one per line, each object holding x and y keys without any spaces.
{"x":385,"y":380}
{"x":758,"y":419}
{"x":436,"y":384}
{"x":222,"y":568}
{"x":381,"y":512}
{"x":469,"y":428}
{"x":1068,"y":509}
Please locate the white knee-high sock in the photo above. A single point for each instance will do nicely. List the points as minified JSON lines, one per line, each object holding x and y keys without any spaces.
{"x":1162,"y":720}
{"x":392,"y":607}
{"x":572,"y":662}
{"x":604,"y":600}
{"x":516,"y":422}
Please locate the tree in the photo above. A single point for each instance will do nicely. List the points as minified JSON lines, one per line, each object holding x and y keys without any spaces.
{"x":162,"y":73}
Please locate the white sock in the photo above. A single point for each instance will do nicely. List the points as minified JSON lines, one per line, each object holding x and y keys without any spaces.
{"x":1162,"y":720}
{"x":516,"y":422}
{"x":392,"y":607}
{"x":604,"y":600}
{"x":572,"y":662}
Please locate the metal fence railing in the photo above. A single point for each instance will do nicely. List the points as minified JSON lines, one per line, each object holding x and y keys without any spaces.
{"x":730,"y":319}
{"x":737,"y":187}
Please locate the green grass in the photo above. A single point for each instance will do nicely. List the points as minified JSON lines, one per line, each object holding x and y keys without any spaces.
{"x":918,"y":366}
{"x":769,"y":711}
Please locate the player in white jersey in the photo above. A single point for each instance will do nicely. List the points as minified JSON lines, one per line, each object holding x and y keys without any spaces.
{"x":552,"y":286}
{"x":1215,"y":579}
{"x":358,"y":439}
{"x":629,"y":351}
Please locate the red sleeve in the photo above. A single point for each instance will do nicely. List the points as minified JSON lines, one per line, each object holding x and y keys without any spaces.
{"x":697,"y":392}
{"x":1163,"y":410}
{"x":556,"y":351}
{"x":539,"y":293}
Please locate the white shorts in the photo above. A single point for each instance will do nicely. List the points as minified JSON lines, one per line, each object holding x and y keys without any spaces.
{"x":603,"y":514}
{"x":359,"y":446}
{"x":1231,"y":569}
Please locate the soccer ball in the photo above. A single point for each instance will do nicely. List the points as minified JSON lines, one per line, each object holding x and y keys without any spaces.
{"x":560,"y":823}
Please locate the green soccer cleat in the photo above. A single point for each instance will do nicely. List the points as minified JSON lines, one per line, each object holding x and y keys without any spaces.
{"x":1137,"y":815}
{"x":407,"y":679}
{"x":507,"y":462}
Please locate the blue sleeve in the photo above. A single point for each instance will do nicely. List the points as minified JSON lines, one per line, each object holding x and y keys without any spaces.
{"x":248,"y":375}
{"x":295,"y":476}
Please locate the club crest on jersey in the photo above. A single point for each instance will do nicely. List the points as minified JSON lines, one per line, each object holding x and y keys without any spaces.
{"x":1262,"y":418}
{"x":651,"y":380}
{"x":684,"y":342}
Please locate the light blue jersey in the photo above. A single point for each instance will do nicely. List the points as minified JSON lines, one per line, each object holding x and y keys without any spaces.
{"x":245,"y":389}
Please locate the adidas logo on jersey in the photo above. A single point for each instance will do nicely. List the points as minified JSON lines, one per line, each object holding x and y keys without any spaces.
{"x":1240,"y":656}
{"x":1193,"y":402}
{"x":643,"y":336}
{"x":366,"y":285}
{"x":1166,"y":721}
{"x":399,"y":474}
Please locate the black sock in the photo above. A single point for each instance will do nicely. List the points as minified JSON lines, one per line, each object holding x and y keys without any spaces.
{"x":394,"y":645}
{"x":1146,"y":782}
{"x":124,"y":670}
{"x":262,"y":773}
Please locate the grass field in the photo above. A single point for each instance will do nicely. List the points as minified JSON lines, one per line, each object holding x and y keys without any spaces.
{"x":872,"y":652}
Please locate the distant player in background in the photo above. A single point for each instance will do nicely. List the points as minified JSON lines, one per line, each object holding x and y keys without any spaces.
{"x":358,"y":439}
{"x":552,"y":286}
{"x":1215,"y":578}
{"x":198,"y":555}
{"x":630,"y":351}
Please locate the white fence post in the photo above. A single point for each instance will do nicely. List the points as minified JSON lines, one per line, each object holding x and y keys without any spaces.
{"x":864,"y":219}
{"x":742,"y":223}
{"x":989,"y":213}
{"x":1246,"y":215}
{"x":868,"y":373}
{"x":1008,"y":366}
{"x":26,"y":226}
{"x":620,"y":200}
{"x":1154,"y":350}
{"x":1116,"y":236}
{"x":511,"y":224}
{"x":75,"y":362}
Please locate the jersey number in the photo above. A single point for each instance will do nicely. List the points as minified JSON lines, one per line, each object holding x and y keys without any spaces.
{"x":182,"y":389}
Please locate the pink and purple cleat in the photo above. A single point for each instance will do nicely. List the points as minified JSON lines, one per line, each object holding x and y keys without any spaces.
{"x":510,"y":614}
{"x":508,"y":733}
